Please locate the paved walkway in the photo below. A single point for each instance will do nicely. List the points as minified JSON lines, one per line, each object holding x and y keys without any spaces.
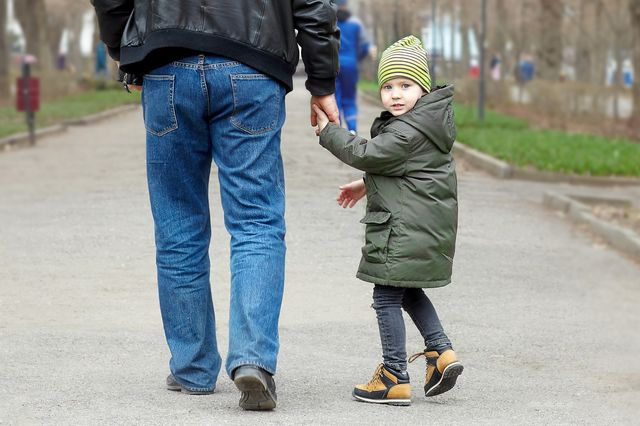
{"x":544,"y":318}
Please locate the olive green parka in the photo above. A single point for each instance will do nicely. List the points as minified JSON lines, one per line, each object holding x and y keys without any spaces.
{"x":412,"y":208}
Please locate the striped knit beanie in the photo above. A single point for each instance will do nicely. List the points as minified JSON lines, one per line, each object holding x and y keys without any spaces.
{"x":405,"y":58}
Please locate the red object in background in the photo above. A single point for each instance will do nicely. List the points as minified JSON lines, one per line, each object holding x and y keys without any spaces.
{"x":474,"y":71}
{"x":34,"y":94}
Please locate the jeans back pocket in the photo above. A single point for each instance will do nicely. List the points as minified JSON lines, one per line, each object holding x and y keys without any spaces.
{"x":158,"y":103}
{"x":256,"y":103}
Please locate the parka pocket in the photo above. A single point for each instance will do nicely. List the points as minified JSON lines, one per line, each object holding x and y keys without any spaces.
{"x":377,"y":234}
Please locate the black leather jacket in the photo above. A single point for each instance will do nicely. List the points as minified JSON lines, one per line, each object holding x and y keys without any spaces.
{"x":258,"y":33}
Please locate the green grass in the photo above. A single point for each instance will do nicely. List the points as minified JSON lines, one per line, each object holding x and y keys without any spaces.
{"x":66,"y":108}
{"x":516,"y":142}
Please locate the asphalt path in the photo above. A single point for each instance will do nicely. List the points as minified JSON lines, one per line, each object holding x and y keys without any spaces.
{"x":543,"y":316}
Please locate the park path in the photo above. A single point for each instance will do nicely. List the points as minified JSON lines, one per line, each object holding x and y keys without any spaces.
{"x":544,"y":318}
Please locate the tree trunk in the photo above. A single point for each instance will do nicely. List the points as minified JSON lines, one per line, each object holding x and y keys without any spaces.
{"x":464,"y":33}
{"x":500,"y":31}
{"x":32,"y":15}
{"x":4,"y":52}
{"x":601,"y":33}
{"x":583,"y":50}
{"x":550,"y":48}
{"x":634,"y":12}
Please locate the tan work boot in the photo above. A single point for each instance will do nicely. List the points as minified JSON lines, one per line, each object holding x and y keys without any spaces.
{"x":442,"y":371}
{"x":385,"y":387}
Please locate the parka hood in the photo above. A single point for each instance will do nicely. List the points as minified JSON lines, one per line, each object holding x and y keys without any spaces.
{"x":432,"y":116}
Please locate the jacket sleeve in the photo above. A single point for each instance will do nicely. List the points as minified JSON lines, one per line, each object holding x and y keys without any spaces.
{"x":112,"y":18}
{"x":319,"y":38}
{"x":386,"y":154}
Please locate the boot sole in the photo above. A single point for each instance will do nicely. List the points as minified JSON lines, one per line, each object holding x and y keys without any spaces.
{"x":255,"y":394}
{"x":447,"y":381}
{"x":396,"y":402}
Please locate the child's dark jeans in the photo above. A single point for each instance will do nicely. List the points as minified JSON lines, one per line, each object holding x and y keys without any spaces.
{"x":388,"y":302}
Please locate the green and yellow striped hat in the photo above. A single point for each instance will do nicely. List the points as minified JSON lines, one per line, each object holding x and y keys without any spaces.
{"x":405,"y":58}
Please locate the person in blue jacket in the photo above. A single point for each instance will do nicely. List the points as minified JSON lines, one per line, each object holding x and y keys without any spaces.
{"x":354,"y":47}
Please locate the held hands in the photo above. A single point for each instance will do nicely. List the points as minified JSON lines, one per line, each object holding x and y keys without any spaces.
{"x":351,"y":193}
{"x":328,"y":106}
{"x":321,"y":119}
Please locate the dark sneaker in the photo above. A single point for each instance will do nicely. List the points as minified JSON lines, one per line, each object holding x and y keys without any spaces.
{"x":385,"y":387}
{"x":442,"y":371}
{"x":257,"y":386}
{"x":173,"y":385}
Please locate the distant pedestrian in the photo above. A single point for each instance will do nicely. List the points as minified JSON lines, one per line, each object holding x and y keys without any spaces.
{"x":411,"y":217}
{"x":495,"y":67}
{"x":526,"y":69}
{"x":102,"y":70}
{"x":354,"y":47}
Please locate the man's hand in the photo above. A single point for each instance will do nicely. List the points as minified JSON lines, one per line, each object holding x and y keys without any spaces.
{"x":328,"y":105}
{"x":351,"y":193}
{"x":129,"y":86}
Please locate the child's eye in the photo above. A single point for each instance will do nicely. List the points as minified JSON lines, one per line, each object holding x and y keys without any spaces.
{"x":387,"y":87}
{"x":406,"y":85}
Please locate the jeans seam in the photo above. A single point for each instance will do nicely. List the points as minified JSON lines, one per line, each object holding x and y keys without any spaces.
{"x":222,"y":65}
{"x":437,"y":342}
{"x":238,"y":364}
{"x":191,"y":388}
{"x":205,"y":90}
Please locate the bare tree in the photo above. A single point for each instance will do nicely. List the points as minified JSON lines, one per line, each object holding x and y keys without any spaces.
{"x":68,"y":15}
{"x":32,"y":15}
{"x":550,"y":47}
{"x":634,"y":12}
{"x":584,"y":44}
{"x":4,"y":52}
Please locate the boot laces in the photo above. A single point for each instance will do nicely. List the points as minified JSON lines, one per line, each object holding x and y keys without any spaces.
{"x":416,"y":356}
{"x":430,"y":360}
{"x":376,"y":379}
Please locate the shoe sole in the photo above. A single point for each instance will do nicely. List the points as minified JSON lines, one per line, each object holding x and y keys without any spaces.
{"x":187,"y":391}
{"x":447,"y":381}
{"x":178,"y":388}
{"x":255,"y":394}
{"x":396,"y":402}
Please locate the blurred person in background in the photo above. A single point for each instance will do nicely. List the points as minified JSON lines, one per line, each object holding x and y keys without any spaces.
{"x":354,"y":47}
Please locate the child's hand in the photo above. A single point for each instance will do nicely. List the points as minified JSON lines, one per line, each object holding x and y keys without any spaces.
{"x":351,"y":193}
{"x":322,"y":118}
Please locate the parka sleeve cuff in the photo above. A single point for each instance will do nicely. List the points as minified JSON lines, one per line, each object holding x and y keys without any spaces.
{"x":325,"y":135}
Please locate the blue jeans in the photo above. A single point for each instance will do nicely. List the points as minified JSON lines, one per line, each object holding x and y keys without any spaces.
{"x":198,"y":109}
{"x":388,"y":303}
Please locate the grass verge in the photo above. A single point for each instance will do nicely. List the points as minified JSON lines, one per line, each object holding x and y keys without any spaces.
{"x":75,"y":106}
{"x":515,"y":141}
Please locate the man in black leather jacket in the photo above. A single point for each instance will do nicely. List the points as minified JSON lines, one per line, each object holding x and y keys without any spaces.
{"x":214,"y":76}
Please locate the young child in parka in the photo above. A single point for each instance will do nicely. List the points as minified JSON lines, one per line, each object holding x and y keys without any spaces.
{"x":411,"y":218}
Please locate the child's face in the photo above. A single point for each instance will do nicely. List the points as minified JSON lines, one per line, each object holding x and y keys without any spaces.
{"x":400,"y":95}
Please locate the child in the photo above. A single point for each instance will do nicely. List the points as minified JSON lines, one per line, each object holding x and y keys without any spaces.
{"x":411,"y":217}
